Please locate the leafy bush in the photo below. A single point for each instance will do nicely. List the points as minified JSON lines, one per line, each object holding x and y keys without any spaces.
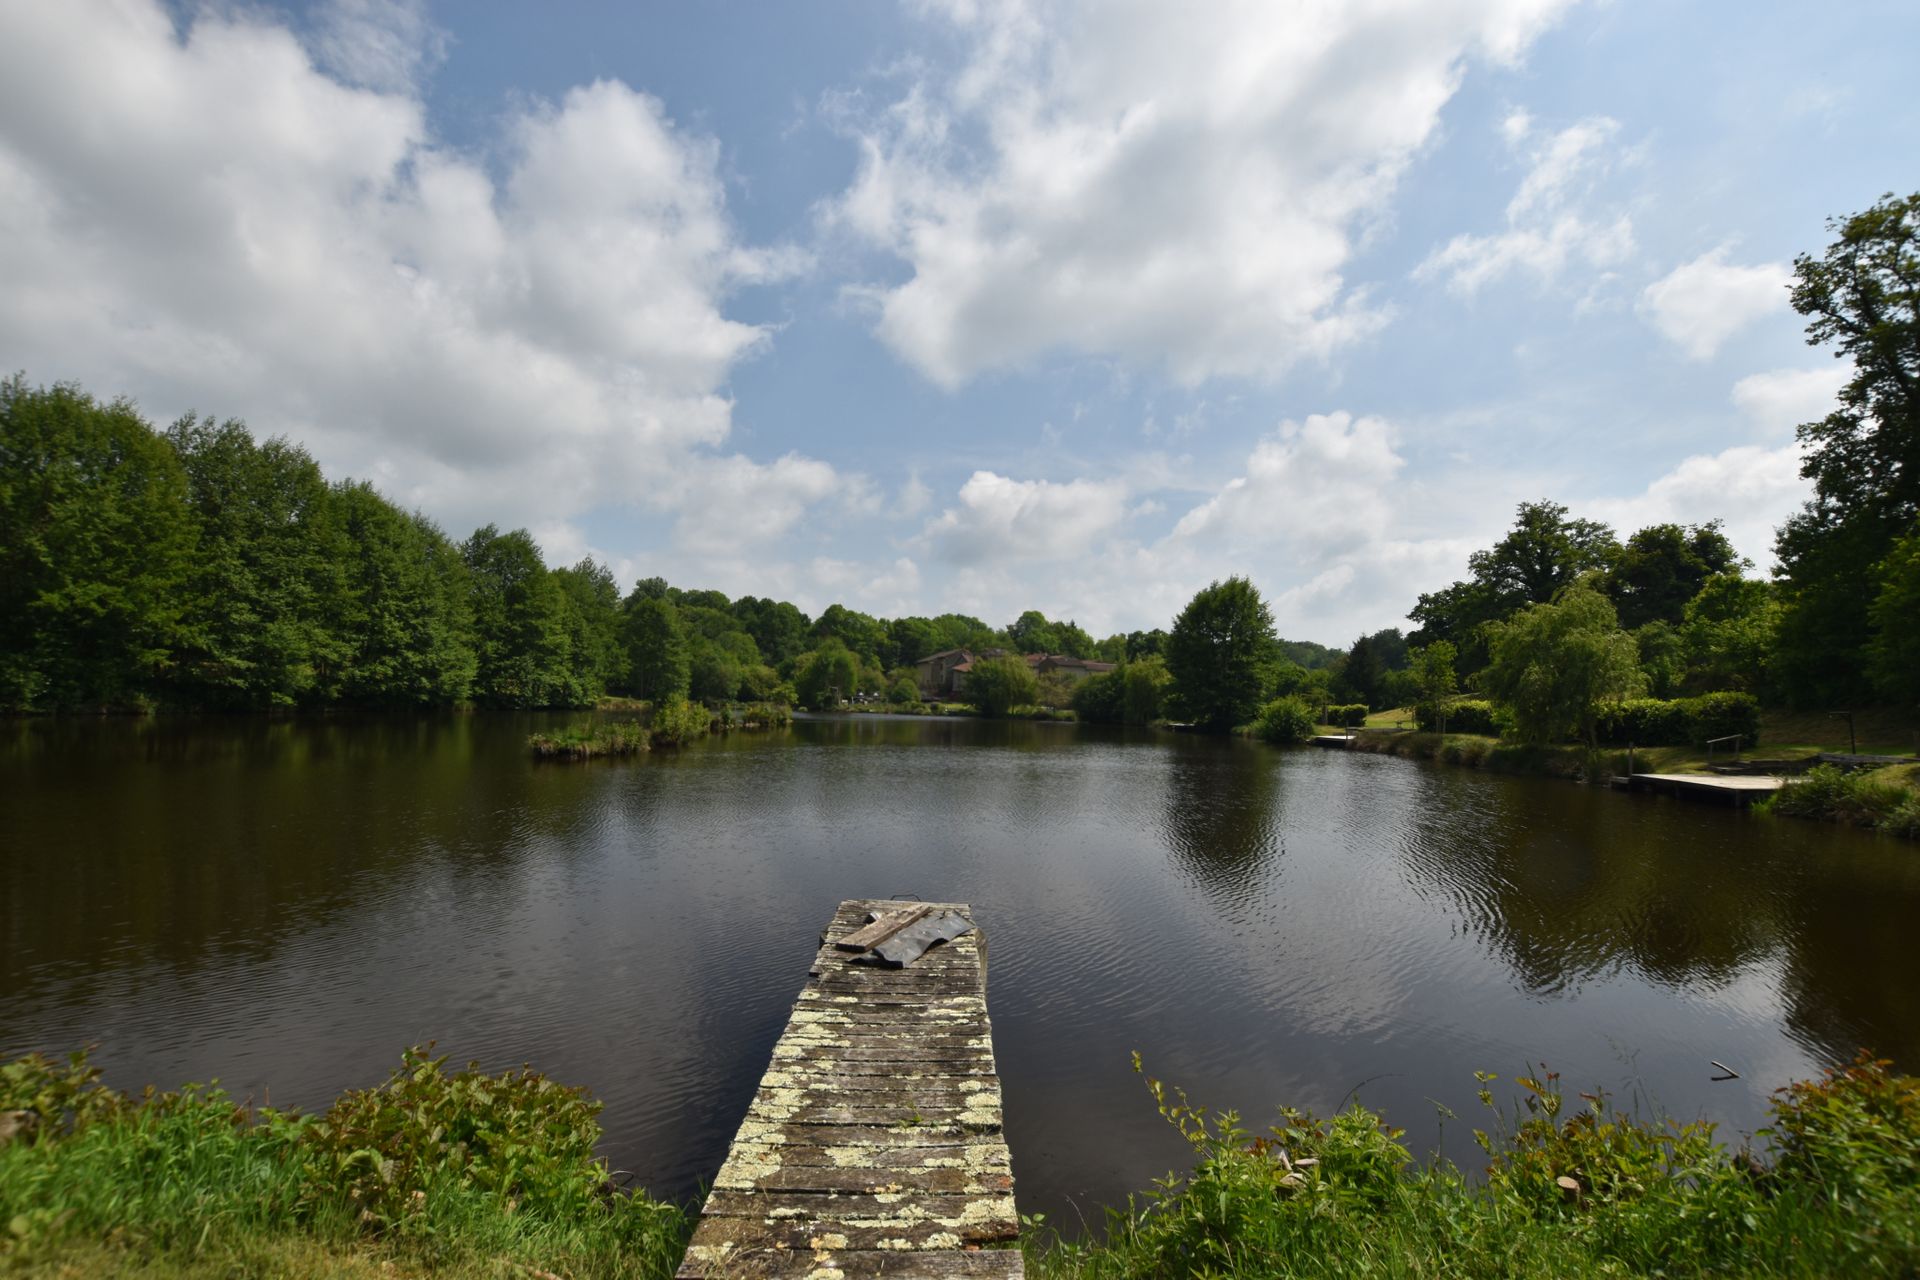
{"x":583,"y":742}
{"x":1284,"y":720}
{"x":1715,"y":715}
{"x":1347,"y":715}
{"x":1680,"y":722}
{"x":1832,"y":794}
{"x":1102,"y":699}
{"x":903,"y":692}
{"x":676,"y":722}
{"x":997,"y":685}
{"x":1462,"y":715}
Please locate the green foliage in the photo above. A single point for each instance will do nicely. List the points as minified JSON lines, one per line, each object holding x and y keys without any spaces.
{"x":1148,"y":683}
{"x":1284,"y":720}
{"x":1102,"y":699}
{"x":585,"y":741}
{"x":95,"y":539}
{"x":1347,"y":715}
{"x":407,"y":624}
{"x":1832,"y":794}
{"x":1862,"y":296}
{"x":1663,"y":566}
{"x":267,"y":591}
{"x":903,"y":692}
{"x":1894,"y":653}
{"x":447,"y":1170}
{"x":1570,"y":1190}
{"x":521,"y":625}
{"x":996,"y":686}
{"x":827,"y":676}
{"x":1461,"y":715}
{"x":1679,"y":722}
{"x":1221,"y":652}
{"x":675,"y":722}
{"x":594,"y":644}
{"x":659,"y":661}
{"x":1729,"y":632}
{"x":1554,"y":664}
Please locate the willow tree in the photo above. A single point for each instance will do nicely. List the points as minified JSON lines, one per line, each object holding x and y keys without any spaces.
{"x":1553,"y":665}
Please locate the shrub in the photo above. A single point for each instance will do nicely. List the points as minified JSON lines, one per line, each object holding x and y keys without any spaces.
{"x":676,"y":722}
{"x":1284,"y":720}
{"x":1680,"y":722}
{"x":1715,"y":715}
{"x":583,"y":742}
{"x":1102,"y":699}
{"x":1462,"y":715}
{"x":903,"y":692}
{"x":1347,"y":715}
{"x":1831,"y":794}
{"x":997,"y":685}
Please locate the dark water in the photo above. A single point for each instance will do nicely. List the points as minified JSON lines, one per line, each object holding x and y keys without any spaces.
{"x":284,"y":906}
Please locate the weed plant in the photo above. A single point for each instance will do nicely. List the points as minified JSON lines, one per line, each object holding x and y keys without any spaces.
{"x":1568,"y":1190}
{"x":459,"y":1172}
{"x":1832,"y":794}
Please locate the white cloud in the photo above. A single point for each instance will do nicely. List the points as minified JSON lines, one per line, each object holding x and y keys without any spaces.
{"x":211,"y":221}
{"x":1302,"y":486}
{"x":1546,"y":229}
{"x":1002,"y":518}
{"x":1174,"y":185}
{"x":1700,"y":304}
{"x":1751,"y":487}
{"x":389,"y":45}
{"x":1782,"y":399}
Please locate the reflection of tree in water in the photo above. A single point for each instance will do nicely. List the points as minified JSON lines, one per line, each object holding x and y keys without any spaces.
{"x":1221,"y":823}
{"x":1567,"y":890}
{"x":1852,"y":981}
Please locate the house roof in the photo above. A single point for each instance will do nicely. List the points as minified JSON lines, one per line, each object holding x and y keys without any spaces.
{"x":944,"y":653}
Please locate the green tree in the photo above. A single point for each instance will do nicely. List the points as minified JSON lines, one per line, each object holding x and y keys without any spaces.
{"x":659,"y":660}
{"x":409,"y":619}
{"x":997,"y":685}
{"x":1434,"y":677}
{"x":522,"y":639}
{"x":1728,"y":633}
{"x":1284,"y":720}
{"x":827,"y":675}
{"x":95,"y":535}
{"x":1862,"y":296}
{"x":267,"y":595}
{"x":1362,"y":671}
{"x":1221,"y":653}
{"x":1147,"y":681}
{"x":778,"y":629}
{"x":1146,"y":644}
{"x":1032,"y":633}
{"x":1554,"y":664}
{"x":1663,"y":657}
{"x":1895,"y":654}
{"x":596,"y":652}
{"x":857,"y":631}
{"x":1663,"y":566}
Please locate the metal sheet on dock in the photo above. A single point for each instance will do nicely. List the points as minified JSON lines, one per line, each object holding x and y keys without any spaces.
{"x":873,"y":1146}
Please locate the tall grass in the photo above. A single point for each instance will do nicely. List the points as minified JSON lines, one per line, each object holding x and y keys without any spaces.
{"x":1832,"y":794}
{"x":462,"y":1172}
{"x":1571,"y":1188}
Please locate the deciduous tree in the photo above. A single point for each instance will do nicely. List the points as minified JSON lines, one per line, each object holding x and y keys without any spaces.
{"x":1221,"y":654}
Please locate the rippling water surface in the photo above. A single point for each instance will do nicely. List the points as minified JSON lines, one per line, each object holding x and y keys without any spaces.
{"x":285,"y":905}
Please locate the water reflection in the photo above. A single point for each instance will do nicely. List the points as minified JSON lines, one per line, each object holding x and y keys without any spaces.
{"x":284,"y":904}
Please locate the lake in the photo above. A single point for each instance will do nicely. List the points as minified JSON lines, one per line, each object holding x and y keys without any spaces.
{"x":286,"y":904}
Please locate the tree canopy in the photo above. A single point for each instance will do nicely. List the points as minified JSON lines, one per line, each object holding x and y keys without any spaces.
{"x":1221,"y":652}
{"x":1554,"y":664}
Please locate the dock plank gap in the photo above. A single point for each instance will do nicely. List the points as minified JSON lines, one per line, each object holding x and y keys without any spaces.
{"x":873,"y":1146}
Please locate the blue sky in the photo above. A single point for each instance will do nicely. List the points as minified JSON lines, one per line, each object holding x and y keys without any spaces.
{"x":974,"y":306}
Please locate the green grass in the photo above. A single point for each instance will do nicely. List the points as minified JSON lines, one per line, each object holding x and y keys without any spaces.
{"x":1569,"y":1190}
{"x":432,"y":1173}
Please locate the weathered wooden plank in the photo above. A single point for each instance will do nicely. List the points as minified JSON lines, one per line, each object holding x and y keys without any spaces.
{"x":893,"y":1264}
{"x":885,"y":925}
{"x":875,"y":1134}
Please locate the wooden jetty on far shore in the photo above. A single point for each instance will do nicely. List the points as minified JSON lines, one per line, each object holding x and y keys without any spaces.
{"x":874,"y":1144}
{"x":1725,"y":788}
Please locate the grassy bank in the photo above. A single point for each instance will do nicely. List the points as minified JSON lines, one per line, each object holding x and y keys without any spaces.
{"x":455,"y":1174}
{"x":1475,"y":751}
{"x":1571,"y":1188}
{"x":671,"y":723}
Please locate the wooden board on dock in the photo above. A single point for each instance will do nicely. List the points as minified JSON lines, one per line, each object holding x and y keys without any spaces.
{"x":873,"y":1146}
{"x":1732,"y":789}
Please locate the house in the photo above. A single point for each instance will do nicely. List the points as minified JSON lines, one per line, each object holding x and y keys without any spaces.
{"x":1074,"y":669}
{"x":934,"y":673}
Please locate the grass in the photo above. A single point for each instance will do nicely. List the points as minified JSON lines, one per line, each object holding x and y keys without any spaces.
{"x":670,"y":723}
{"x":1571,"y":1188}
{"x":432,"y":1173}
{"x":1887,"y":799}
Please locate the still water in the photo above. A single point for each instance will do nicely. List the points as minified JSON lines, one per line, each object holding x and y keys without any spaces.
{"x":285,"y":905}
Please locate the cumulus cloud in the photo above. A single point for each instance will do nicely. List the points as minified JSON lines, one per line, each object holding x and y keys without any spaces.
{"x":997,"y":517}
{"x":1700,"y":304}
{"x":1547,"y":228}
{"x":212,"y":220}
{"x":1175,"y":185}
{"x":1301,"y":486}
{"x":1751,"y":487}
{"x":1782,"y":399}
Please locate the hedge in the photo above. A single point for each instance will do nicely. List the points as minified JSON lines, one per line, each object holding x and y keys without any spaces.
{"x":1680,"y":722}
{"x":1467,"y":715}
{"x":1350,"y":715}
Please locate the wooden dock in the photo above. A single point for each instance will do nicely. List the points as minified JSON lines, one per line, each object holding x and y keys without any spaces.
{"x":874,"y":1144}
{"x":1725,"y":788}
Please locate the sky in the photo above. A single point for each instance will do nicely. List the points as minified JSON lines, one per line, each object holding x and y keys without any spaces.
{"x":963,"y":305}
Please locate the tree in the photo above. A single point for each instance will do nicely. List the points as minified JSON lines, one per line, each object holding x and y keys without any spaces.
{"x":595,"y":651}
{"x":1032,"y":633}
{"x":1863,"y":297}
{"x":1728,"y":633}
{"x":1434,"y":677}
{"x":1894,"y":657}
{"x":95,"y":536}
{"x":1221,"y":654}
{"x":828,"y":675}
{"x":1362,"y":671}
{"x":659,"y":663}
{"x":778,"y":629}
{"x":267,"y":595}
{"x":1554,"y":664}
{"x":997,"y":685}
{"x":1663,"y":566}
{"x":409,"y":622}
{"x":1146,"y":688}
{"x":521,"y":640}
{"x":856,"y":630}
{"x":1146,"y":644}
{"x":1284,"y":720}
